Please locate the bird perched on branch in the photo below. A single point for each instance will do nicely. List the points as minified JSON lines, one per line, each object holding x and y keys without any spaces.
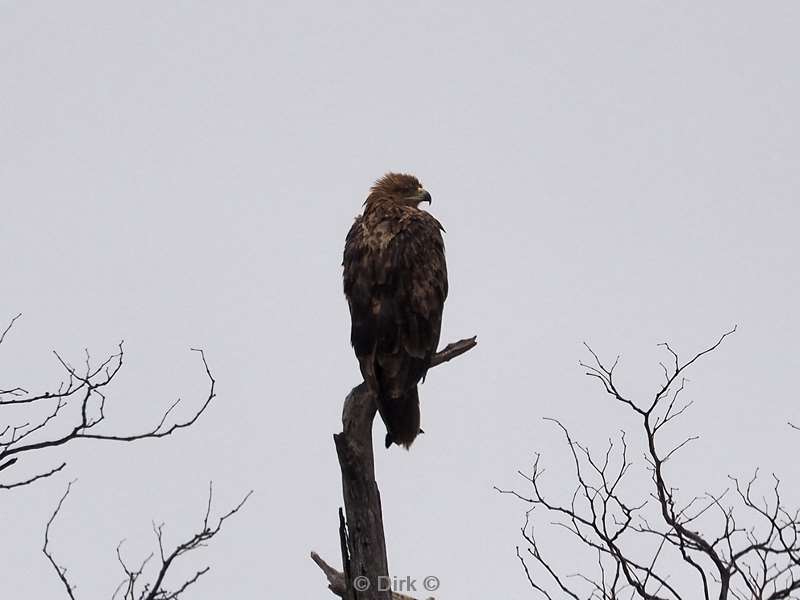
{"x":395,"y":281}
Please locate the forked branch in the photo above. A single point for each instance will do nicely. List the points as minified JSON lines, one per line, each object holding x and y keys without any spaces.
{"x":366,"y":546}
{"x":74,"y":410}
{"x":655,"y":545}
{"x":136,"y":585}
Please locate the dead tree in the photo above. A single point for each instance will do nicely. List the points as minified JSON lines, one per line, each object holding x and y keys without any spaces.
{"x":658,"y":544}
{"x":34,"y":421}
{"x":364,"y":564}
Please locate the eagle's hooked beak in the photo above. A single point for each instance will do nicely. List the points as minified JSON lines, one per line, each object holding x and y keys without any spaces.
{"x":422,"y":195}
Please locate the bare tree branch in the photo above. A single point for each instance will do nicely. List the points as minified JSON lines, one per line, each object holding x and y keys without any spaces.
{"x":53,"y":471}
{"x":60,"y":571}
{"x":336,"y":580}
{"x":654,"y":548}
{"x":74,"y":411}
{"x":130,"y":588}
{"x":8,"y":328}
{"x":453,"y":350}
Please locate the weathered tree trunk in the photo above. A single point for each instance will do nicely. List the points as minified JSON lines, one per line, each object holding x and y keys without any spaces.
{"x":364,"y":546}
{"x":362,"y":500}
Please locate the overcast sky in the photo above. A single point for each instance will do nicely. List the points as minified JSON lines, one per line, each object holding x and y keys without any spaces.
{"x":181,"y":174}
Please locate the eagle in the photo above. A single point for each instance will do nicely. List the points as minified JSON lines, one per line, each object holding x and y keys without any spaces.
{"x":395,"y":281}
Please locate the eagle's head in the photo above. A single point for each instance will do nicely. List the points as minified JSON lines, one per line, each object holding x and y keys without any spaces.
{"x":398,"y":188}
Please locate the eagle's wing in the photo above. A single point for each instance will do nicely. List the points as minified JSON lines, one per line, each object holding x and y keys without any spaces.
{"x":359,"y":281}
{"x":415,"y":256}
{"x":395,"y":280}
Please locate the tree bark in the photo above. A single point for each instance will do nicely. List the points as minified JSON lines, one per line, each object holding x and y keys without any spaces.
{"x":362,"y":500}
{"x":364,"y":559}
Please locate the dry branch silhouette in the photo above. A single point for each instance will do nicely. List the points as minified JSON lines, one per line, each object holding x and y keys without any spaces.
{"x":737,"y":544}
{"x":132,"y":587}
{"x":75,"y":410}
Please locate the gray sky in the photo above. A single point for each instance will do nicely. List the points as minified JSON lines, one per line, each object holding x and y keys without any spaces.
{"x":183,"y":174}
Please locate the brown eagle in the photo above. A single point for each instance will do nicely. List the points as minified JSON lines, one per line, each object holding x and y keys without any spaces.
{"x":395,"y":280}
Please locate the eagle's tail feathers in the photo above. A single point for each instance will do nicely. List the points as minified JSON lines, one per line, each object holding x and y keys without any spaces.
{"x":401,"y":416}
